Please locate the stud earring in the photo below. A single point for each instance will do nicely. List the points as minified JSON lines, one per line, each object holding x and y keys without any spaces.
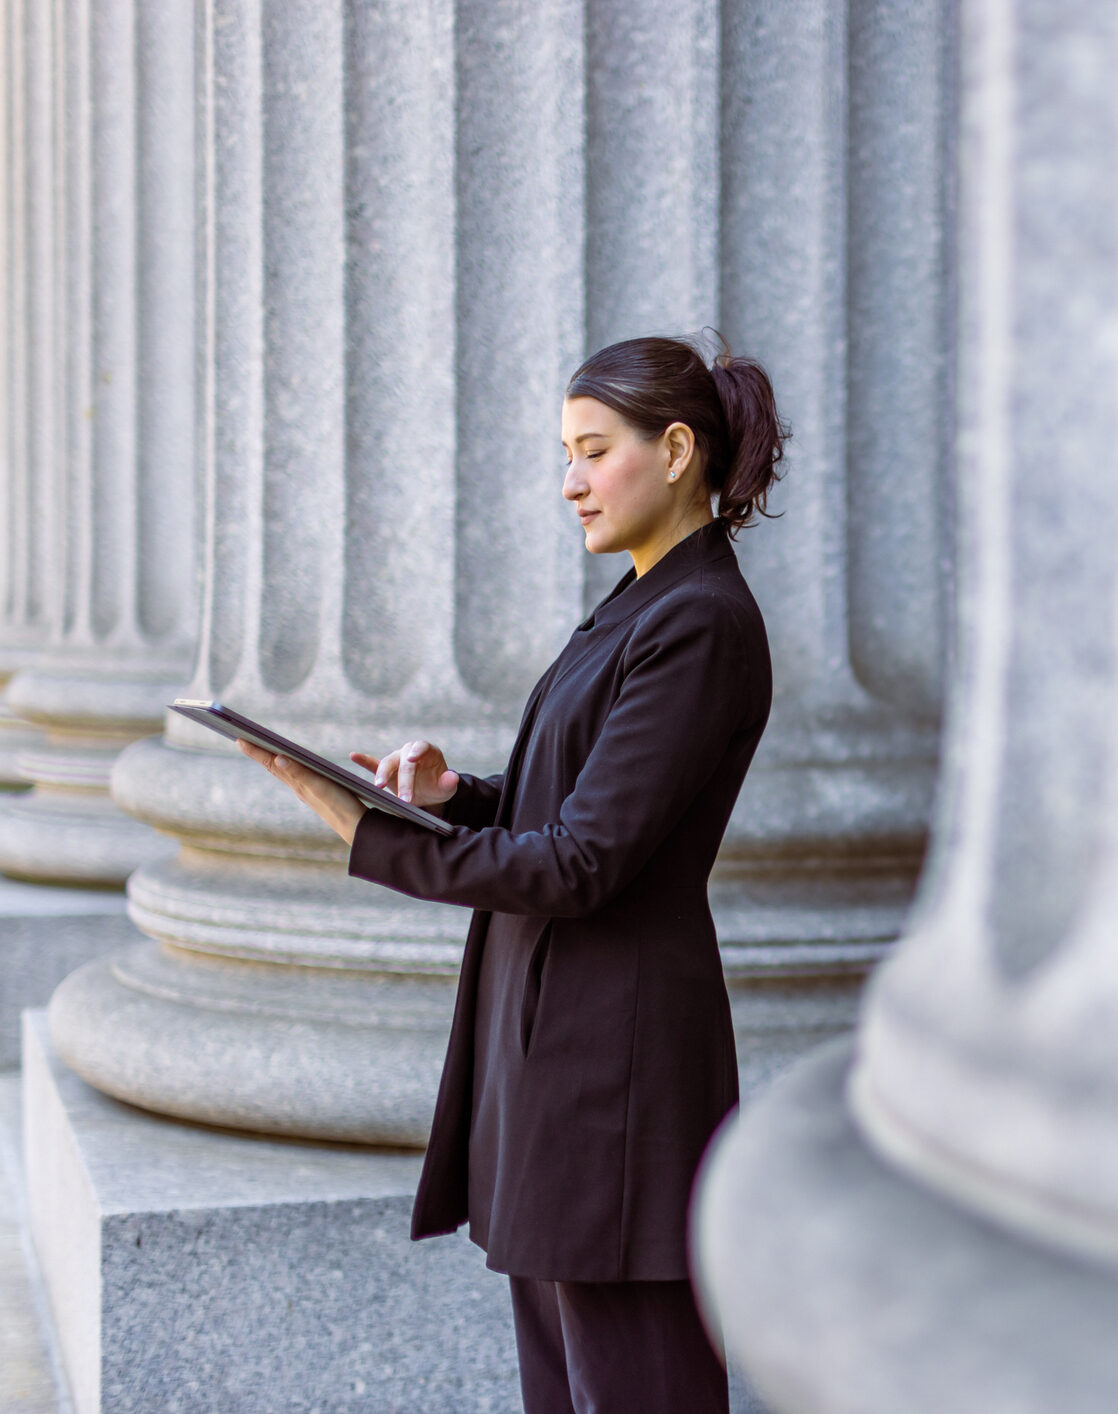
{"x":672,"y":475}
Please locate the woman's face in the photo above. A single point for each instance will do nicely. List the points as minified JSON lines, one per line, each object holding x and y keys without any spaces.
{"x":626,"y":487}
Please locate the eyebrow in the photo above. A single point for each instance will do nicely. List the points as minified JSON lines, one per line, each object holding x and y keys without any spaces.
{"x":585,"y":436}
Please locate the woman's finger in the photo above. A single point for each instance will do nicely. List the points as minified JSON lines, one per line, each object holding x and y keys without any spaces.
{"x":387,"y":768}
{"x":405,"y":774}
{"x":256,"y":753}
{"x":416,"y":772}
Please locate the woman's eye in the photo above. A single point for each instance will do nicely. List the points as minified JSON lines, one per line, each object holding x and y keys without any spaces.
{"x":595,"y":455}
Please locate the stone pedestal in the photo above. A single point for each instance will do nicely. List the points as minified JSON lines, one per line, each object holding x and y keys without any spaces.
{"x":212,"y":1273}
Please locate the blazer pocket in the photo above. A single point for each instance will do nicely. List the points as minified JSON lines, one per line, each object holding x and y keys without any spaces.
{"x":533,"y":982}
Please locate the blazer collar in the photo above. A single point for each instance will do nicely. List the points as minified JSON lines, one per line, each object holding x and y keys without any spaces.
{"x":703,"y":546}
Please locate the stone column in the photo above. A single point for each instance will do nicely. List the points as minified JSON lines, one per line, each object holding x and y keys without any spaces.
{"x":651,"y":184}
{"x":281,"y":995}
{"x":20,"y":632}
{"x":108,"y":466}
{"x":834,"y":272}
{"x":60,"y":522}
{"x":968,"y":1164}
{"x":345,"y":451}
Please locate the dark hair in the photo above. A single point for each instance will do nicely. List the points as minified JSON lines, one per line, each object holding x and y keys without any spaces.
{"x":728,"y":404}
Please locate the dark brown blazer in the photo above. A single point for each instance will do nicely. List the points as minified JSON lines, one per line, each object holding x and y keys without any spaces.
{"x":592,"y":1054}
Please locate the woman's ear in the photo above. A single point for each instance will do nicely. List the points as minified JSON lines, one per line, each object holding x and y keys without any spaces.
{"x":679,"y":442}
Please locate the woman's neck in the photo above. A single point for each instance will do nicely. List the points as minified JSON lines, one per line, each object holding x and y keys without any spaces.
{"x":648,"y":555}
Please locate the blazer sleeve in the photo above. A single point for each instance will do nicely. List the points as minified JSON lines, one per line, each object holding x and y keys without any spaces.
{"x":686,"y":690}
{"x":474,"y":803}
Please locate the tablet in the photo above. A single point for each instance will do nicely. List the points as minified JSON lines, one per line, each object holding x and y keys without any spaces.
{"x":237,"y":728}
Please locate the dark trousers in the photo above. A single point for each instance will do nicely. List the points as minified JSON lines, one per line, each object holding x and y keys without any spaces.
{"x":627,"y":1347}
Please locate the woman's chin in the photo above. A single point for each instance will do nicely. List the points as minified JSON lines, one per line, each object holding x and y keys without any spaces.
{"x":599,"y":543}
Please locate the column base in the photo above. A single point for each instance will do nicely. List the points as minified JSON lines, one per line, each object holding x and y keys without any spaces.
{"x":211,"y":1273}
{"x":76,"y":838}
{"x":44,"y":935}
{"x":350,"y":1054}
{"x":841,"y":1286}
{"x":321,"y":1053}
{"x":16,"y":737}
{"x":798,"y":938}
{"x":777,"y":1020}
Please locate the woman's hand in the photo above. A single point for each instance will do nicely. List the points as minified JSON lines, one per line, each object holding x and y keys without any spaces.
{"x":417,"y":773}
{"x":333,"y":804}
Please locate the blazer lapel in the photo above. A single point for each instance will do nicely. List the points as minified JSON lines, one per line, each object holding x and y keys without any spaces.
{"x":699,"y":550}
{"x":631,"y":594}
{"x":626,"y":598}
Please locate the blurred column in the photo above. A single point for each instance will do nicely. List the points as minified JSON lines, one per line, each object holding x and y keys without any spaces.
{"x":362,"y":518}
{"x":104,"y":481}
{"x":1002,"y":1003}
{"x":834,"y":272}
{"x":971,"y":1164}
{"x":21,"y":626}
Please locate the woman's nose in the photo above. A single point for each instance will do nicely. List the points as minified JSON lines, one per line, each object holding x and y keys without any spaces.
{"x":574,"y":483}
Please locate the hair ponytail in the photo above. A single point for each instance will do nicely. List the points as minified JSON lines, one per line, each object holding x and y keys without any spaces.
{"x":729,"y":405}
{"x":756,"y":438}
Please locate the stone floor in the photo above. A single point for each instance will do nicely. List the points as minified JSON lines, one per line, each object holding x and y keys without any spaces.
{"x":29,"y":1379}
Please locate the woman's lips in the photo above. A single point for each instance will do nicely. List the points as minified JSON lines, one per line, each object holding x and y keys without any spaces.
{"x":585,"y":516}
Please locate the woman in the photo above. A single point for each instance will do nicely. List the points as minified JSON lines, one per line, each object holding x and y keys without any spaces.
{"x":592,"y":1053}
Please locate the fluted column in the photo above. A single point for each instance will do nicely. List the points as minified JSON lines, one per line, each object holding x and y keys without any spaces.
{"x":349,"y":440}
{"x":834,"y":272}
{"x":651,"y":184}
{"x":20,"y":630}
{"x":970,"y":1154}
{"x":420,"y":256}
{"x":106,"y":419}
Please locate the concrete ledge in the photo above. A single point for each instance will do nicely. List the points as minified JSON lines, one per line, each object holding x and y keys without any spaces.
{"x":845,"y":1288}
{"x":197,"y":1271}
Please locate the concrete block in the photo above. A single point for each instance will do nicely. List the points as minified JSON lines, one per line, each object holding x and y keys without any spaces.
{"x":196,"y":1271}
{"x":27,"y":1373}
